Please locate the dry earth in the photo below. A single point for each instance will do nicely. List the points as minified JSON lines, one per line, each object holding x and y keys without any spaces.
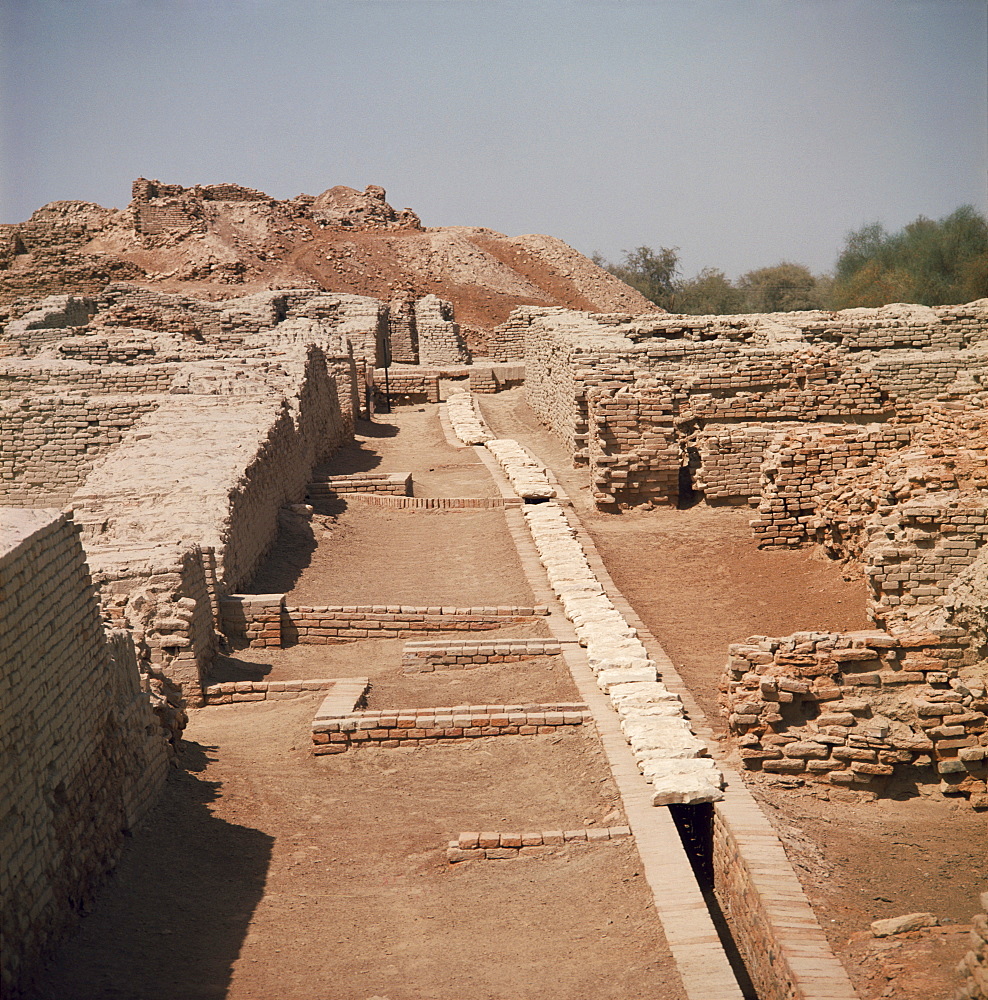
{"x":275,"y":874}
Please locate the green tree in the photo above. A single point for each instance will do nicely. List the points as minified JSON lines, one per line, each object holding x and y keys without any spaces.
{"x":787,"y":287}
{"x":933,"y":263}
{"x":708,"y":293}
{"x":653,"y":274}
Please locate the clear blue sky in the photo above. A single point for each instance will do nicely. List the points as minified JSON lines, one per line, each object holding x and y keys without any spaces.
{"x":742,"y":131}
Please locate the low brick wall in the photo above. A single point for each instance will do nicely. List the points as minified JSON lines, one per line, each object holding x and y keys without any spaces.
{"x":492,"y":845}
{"x":259,"y":620}
{"x":854,"y":709}
{"x":432,"y":503}
{"x":412,"y":386}
{"x":340,"y":624}
{"x":453,"y":654}
{"x":397,"y":483}
{"x":228,"y":692}
{"x":785,"y":952}
{"x":494,"y":378}
{"x":417,"y":726}
{"x":252,"y":620}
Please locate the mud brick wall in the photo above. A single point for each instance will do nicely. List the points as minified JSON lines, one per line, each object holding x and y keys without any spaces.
{"x":854,"y":709}
{"x":414,"y":727}
{"x":139,"y":492}
{"x":166,"y":600}
{"x":911,"y":375}
{"x":81,"y":756}
{"x":633,"y":447}
{"x":454,"y":654}
{"x":56,"y":313}
{"x":402,"y":334}
{"x":393,"y":483}
{"x":797,"y":466}
{"x":507,"y":341}
{"x":730,"y":459}
{"x":124,"y":348}
{"x":407,"y":385}
{"x":918,"y":549}
{"x":252,"y":620}
{"x":341,"y":624}
{"x":740,"y":894}
{"x":440,"y":340}
{"x":20,"y":378}
{"x":231,"y":692}
{"x":51,"y":442}
{"x":248,"y":619}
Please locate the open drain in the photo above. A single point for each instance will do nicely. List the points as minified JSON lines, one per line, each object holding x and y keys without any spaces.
{"x":695,"y":825}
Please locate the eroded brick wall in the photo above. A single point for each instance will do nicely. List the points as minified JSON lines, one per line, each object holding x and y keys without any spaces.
{"x":82,"y":755}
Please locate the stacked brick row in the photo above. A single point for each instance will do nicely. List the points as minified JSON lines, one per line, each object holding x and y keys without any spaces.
{"x":457,"y":654}
{"x":81,"y":757}
{"x":418,"y":726}
{"x":19,"y":378}
{"x":489,"y":845}
{"x":494,"y":378}
{"x":856,"y":709}
{"x":974,"y":966}
{"x":230,"y":692}
{"x":392,"y":483}
{"x":51,"y":442}
{"x":263,"y":620}
{"x":431,"y":503}
{"x":132,"y":348}
{"x":407,"y":384}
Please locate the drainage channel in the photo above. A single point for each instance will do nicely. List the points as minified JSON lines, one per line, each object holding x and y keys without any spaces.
{"x":695,"y":857}
{"x":693,"y":937}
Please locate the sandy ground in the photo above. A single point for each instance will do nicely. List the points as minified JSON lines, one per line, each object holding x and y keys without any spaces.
{"x":266,"y":872}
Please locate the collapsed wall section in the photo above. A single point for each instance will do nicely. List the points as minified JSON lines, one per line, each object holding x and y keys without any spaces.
{"x":81,"y":754}
{"x":860,"y":709}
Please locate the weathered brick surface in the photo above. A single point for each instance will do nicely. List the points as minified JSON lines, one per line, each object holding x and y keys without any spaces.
{"x":81,"y":755}
{"x":857,"y":708}
{"x":420,"y":726}
{"x":457,"y":654}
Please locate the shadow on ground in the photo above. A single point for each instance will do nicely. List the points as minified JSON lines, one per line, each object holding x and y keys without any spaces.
{"x":186,"y":889}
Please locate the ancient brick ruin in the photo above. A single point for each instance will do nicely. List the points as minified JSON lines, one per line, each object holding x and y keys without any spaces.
{"x":861,"y":431}
{"x":181,"y":431}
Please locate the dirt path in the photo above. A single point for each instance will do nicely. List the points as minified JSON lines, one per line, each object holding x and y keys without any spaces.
{"x":699,"y":582}
{"x":269,"y":873}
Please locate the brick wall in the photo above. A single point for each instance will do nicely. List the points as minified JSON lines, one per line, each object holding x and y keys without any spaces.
{"x":51,"y":442}
{"x":82,"y":757}
{"x":855,"y":709}
{"x":440,"y":341}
